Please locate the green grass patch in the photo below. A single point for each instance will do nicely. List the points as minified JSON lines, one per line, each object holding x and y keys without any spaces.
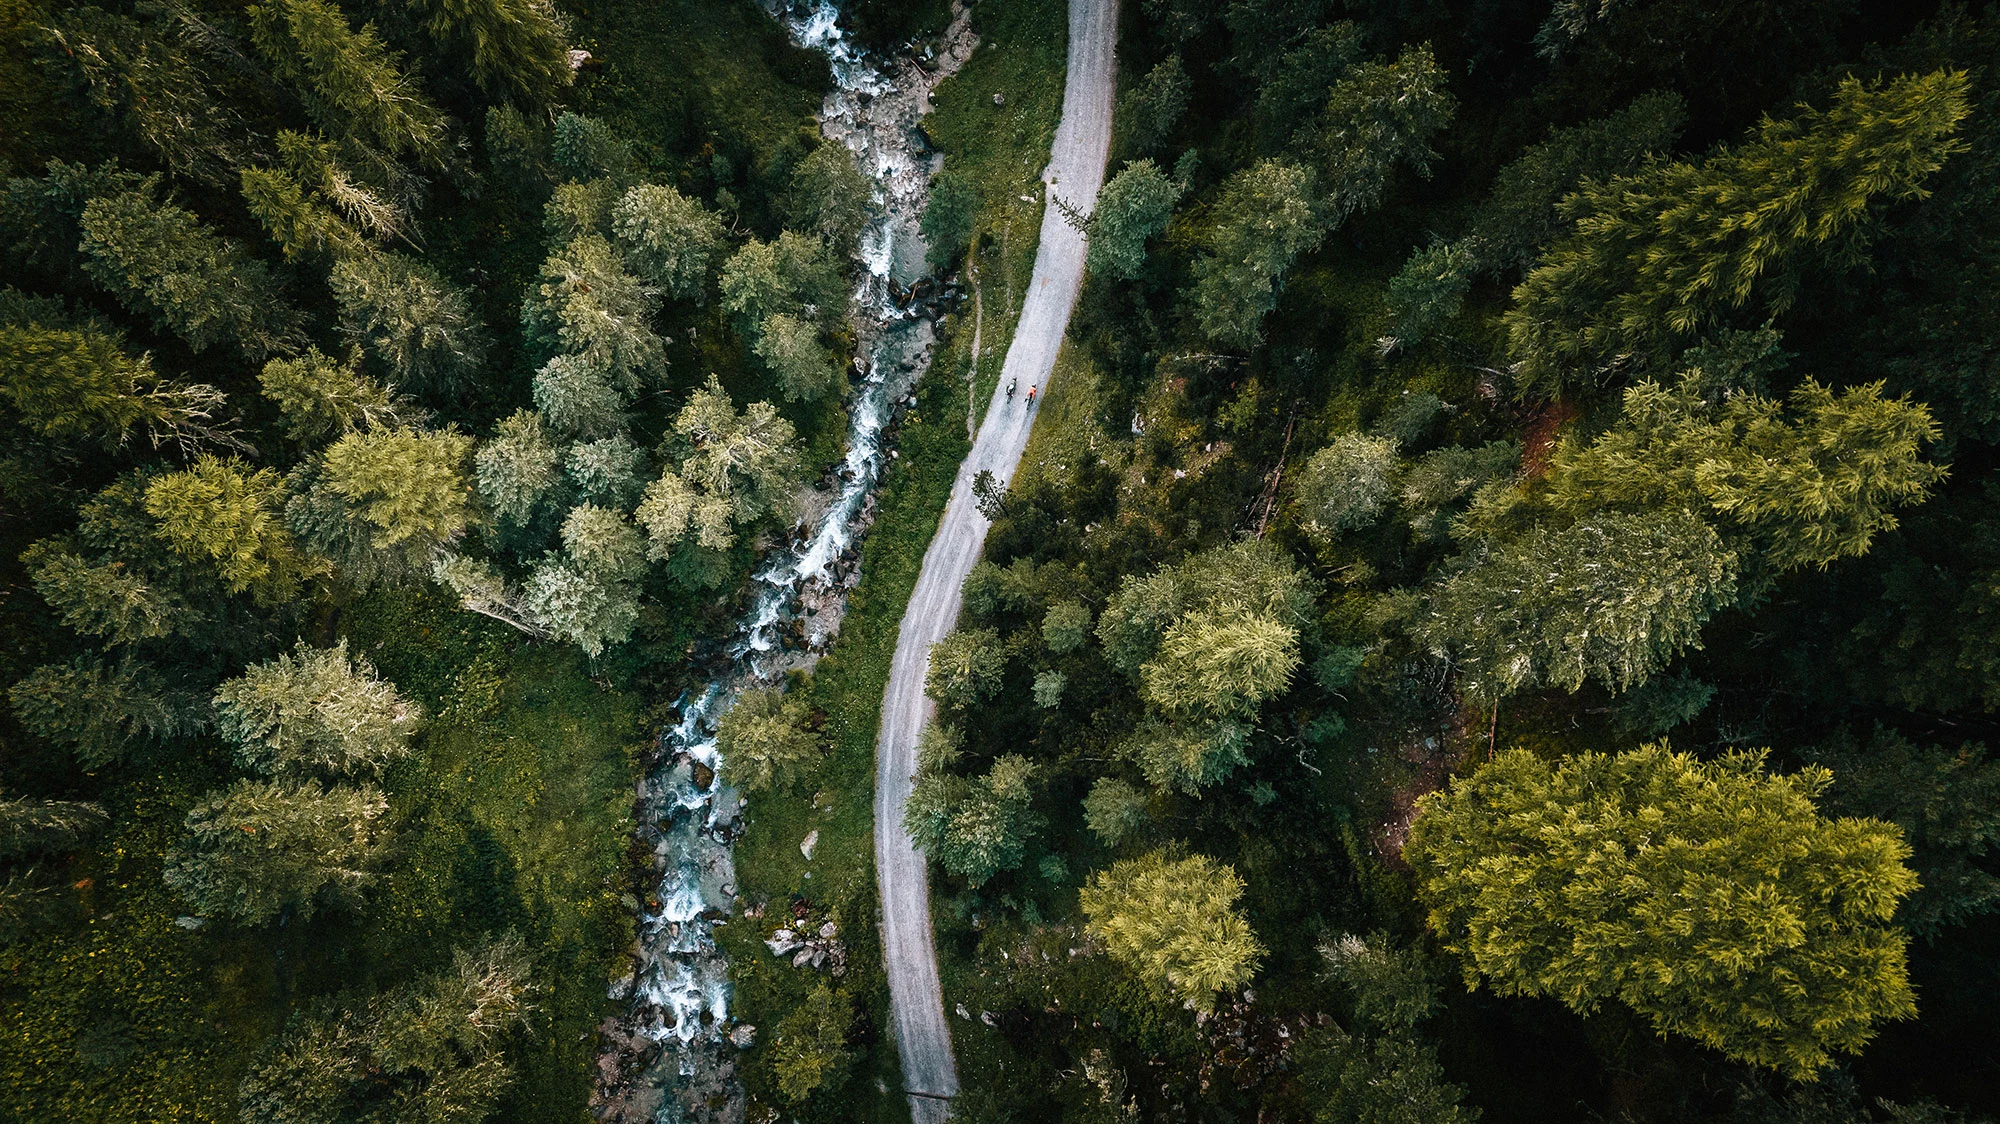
{"x":1002,"y":150}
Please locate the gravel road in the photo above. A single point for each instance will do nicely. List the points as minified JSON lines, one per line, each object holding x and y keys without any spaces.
{"x":1075,"y":172}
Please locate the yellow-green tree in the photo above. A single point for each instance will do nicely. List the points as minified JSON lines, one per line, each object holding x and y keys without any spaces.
{"x":1173,"y":923}
{"x":1709,"y":896}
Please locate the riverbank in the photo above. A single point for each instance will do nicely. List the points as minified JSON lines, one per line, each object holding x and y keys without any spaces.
{"x":1004,"y":147}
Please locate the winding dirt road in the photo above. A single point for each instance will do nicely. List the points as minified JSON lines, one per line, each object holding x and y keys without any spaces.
{"x":1075,"y":172}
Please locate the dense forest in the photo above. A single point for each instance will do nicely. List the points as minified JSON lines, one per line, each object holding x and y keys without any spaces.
{"x":1499,"y":617}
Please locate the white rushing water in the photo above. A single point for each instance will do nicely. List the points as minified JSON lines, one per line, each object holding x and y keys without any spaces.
{"x":680,"y":1019}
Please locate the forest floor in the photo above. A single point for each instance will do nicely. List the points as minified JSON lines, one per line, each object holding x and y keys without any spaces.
{"x":1075,"y":171}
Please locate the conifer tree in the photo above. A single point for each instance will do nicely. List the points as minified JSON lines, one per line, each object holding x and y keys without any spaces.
{"x":263,"y":848}
{"x":790,"y":348}
{"x":80,"y":384}
{"x":1379,"y":1068}
{"x":1172,"y":922}
{"x":99,"y":712}
{"x":829,"y":196}
{"x":1132,"y":208}
{"x":354,"y":86}
{"x":1946,"y":800}
{"x":148,"y":83}
{"x":948,"y":218}
{"x":965,"y":668}
{"x":315,"y":712}
{"x":672,"y":241}
{"x":1710,"y":897}
{"x":1378,"y":116}
{"x":163,"y":262}
{"x":1115,"y":810}
{"x":407,"y":487}
{"x":429,"y":1050}
{"x":1344,"y":486}
{"x":601,"y":313}
{"x":516,"y":48}
{"x":764,"y":741}
{"x":222,"y":514}
{"x":577,"y":398}
{"x":1149,"y":111}
{"x":1611,"y":599}
{"x":1654,"y":258}
{"x":1798,"y":484}
{"x":422,"y":329}
{"x":519,"y":468}
{"x":610,"y":471}
{"x":603,"y":543}
{"x":591,"y":610}
{"x":1268,"y":216}
{"x":105,"y":598}
{"x":977,"y":828}
{"x":794,"y":275}
{"x":322,"y":398}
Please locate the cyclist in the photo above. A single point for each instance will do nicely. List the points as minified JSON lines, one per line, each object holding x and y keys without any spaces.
{"x":1031,"y":394}
{"x":1011,"y":384}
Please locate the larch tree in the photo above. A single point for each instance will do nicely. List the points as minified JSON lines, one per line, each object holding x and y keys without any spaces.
{"x":734,"y":467}
{"x":764,"y":741}
{"x":265,"y":848}
{"x":315,"y":712}
{"x":1711,"y":897}
{"x":1173,"y":923}
{"x":965,"y":668}
{"x":1653,"y":258}
{"x":408,"y":488}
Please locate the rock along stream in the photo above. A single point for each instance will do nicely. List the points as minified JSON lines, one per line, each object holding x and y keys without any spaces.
{"x":670,"y":1056}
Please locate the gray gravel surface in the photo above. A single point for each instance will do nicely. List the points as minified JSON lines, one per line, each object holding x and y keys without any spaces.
{"x":1075,"y":172}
